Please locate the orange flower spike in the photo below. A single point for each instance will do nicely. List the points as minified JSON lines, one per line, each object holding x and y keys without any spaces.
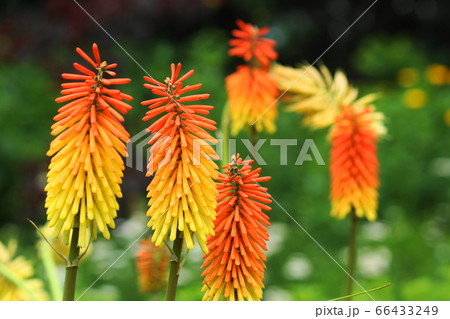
{"x":234,"y":266}
{"x":354,"y":163}
{"x":86,"y":166}
{"x":252,"y":91}
{"x":182,"y":191}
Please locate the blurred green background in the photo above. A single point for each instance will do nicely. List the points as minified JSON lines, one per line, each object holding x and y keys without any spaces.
{"x":397,"y":49}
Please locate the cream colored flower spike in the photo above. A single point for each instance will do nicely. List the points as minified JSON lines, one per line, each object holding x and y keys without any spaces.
{"x":316,"y":94}
{"x":16,"y":272}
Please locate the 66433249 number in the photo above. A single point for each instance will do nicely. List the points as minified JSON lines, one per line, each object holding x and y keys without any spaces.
{"x":407,"y":310}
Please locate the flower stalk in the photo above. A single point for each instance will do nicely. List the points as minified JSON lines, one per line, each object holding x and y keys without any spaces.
{"x":70,"y":280}
{"x":174,"y":271}
{"x":352,"y":254}
{"x":225,"y":130}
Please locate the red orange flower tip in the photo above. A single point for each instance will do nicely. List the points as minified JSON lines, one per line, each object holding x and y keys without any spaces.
{"x":250,"y":45}
{"x":97,"y":63}
{"x":172,"y":92}
{"x":96,"y":53}
{"x":86,"y":57}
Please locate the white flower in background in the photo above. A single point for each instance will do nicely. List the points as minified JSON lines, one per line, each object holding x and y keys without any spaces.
{"x":297,"y":267}
{"x":373,"y":262}
{"x":275,"y":293}
{"x":375,"y":231}
{"x":277,"y":232}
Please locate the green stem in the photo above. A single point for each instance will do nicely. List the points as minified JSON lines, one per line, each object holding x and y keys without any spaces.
{"x":50,"y":270}
{"x":174,"y":267}
{"x":253,"y":134}
{"x":224,"y":128}
{"x":352,"y":252}
{"x":17,"y":281}
{"x":71,"y":269}
{"x":362,"y":292}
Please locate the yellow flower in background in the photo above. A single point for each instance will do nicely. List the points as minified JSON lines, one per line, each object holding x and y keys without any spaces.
{"x":16,"y":282}
{"x":437,"y":74}
{"x":407,"y":77}
{"x":415,"y":98}
{"x":447,"y":117}
{"x":317,"y":94}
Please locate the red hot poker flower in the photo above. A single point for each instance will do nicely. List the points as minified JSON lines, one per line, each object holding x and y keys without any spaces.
{"x":234,"y":266}
{"x":354,"y":163}
{"x":252,"y":91}
{"x":86,"y":168}
{"x":182,"y":192}
{"x":250,"y":45}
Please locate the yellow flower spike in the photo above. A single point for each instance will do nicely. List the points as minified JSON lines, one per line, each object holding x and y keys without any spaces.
{"x":86,"y":165}
{"x":182,"y":191}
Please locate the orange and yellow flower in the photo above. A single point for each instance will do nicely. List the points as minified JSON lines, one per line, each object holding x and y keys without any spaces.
{"x":86,"y":168}
{"x":234,"y":266}
{"x":151,"y":264}
{"x":182,"y":192}
{"x":327,"y":100}
{"x":354,"y":163}
{"x":252,"y":91}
